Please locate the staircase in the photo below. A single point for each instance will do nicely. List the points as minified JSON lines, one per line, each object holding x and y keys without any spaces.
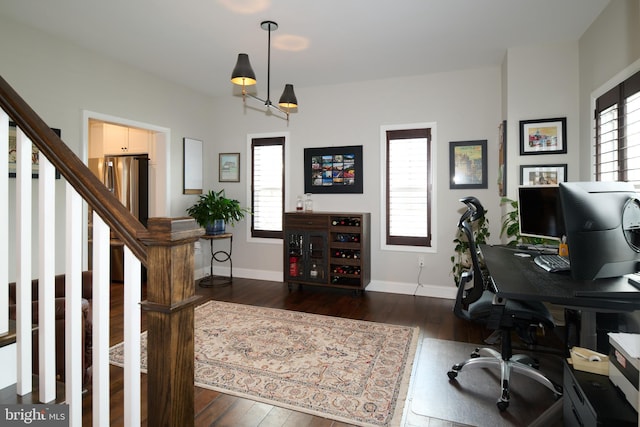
{"x":165,"y":247}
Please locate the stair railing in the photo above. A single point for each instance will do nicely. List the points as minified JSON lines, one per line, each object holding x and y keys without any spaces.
{"x":164,"y":248}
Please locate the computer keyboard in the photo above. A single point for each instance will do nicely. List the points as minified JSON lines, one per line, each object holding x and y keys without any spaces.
{"x":553,"y":263}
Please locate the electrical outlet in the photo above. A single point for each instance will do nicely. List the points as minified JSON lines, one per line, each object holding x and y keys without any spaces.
{"x":420,"y":261}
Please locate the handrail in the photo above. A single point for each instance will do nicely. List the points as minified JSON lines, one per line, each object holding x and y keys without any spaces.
{"x":115,"y":214}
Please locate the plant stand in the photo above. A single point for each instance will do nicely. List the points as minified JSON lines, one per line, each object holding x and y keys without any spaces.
{"x":219,"y":256}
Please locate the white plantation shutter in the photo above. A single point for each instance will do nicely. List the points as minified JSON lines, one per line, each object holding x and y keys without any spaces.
{"x":617,"y":144}
{"x":408,"y":187}
{"x":267,"y":186}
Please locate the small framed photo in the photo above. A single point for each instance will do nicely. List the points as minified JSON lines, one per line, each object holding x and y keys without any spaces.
{"x":468,"y":164}
{"x":546,"y":136}
{"x":543,"y":174}
{"x":229,"y":168}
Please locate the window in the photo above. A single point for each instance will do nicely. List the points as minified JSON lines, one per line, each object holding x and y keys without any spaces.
{"x":408,"y":187}
{"x":267,"y":186}
{"x":617,"y":144}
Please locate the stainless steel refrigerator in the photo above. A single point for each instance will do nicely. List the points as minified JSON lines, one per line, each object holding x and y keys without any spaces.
{"x":127,"y":177}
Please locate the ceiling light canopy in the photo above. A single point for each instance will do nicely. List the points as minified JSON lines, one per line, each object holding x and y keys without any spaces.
{"x":244,"y":76}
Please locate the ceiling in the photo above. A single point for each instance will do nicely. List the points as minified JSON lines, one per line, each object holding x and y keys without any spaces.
{"x":318,"y":42}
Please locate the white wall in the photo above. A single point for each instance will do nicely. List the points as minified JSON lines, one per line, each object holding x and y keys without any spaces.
{"x":464,"y":104}
{"x":542,"y":84}
{"x":60,"y":81}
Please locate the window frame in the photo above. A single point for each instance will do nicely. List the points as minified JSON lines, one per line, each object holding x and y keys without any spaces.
{"x":266,"y":236}
{"x":614,"y":96}
{"x":409,"y":243}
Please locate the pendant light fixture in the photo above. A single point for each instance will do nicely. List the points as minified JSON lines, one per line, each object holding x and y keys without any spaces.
{"x":244,"y":76}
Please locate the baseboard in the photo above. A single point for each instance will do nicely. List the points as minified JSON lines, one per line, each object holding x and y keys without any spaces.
{"x":425,"y":290}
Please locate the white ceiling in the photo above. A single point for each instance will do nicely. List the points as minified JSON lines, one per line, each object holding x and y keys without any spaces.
{"x":196,"y":42}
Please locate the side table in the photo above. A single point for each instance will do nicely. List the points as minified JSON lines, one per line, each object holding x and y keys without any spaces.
{"x":219,"y":256}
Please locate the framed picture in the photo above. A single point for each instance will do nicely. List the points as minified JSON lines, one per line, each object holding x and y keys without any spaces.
{"x":333,"y":169}
{"x":502,"y":159}
{"x":35,"y":153}
{"x":468,"y":164}
{"x":543,"y":174}
{"x":547,"y":136}
{"x":229,"y":168}
{"x":192,"y":166}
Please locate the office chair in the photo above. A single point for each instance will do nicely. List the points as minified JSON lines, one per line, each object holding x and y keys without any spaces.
{"x":476,"y":301}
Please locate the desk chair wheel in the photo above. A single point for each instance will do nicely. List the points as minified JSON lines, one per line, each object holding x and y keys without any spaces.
{"x":452,"y":374}
{"x":502,"y":405}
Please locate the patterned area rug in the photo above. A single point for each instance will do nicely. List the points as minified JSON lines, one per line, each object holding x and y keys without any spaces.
{"x":348,"y":370}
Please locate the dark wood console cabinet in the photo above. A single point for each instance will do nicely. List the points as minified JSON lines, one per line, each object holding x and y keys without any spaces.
{"x":330,"y":249}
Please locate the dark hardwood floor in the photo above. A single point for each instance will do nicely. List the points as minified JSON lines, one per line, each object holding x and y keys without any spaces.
{"x":434,"y":316}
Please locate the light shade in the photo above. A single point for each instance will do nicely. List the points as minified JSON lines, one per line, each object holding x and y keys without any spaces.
{"x":243,"y":73}
{"x":288,"y":99}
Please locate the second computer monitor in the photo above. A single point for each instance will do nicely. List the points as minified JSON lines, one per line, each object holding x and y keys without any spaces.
{"x":540,"y":212}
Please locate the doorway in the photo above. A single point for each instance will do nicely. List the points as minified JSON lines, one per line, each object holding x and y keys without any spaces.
{"x":157,"y":150}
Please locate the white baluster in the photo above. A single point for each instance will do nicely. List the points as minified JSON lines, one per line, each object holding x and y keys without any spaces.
{"x":101,"y":294}
{"x":23,"y":251}
{"x":46,"y":278}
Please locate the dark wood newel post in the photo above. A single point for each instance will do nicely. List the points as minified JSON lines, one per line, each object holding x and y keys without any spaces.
{"x":169,"y":306}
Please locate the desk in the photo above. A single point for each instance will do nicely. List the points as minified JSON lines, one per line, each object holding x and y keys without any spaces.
{"x":519,"y":278}
{"x":219,"y":256}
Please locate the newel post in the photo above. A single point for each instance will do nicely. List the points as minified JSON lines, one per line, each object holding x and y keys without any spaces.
{"x":170,"y":320}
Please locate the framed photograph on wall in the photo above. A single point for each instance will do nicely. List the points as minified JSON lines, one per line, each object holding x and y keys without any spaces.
{"x":543,"y":174}
{"x":192,"y":166}
{"x":468,"y":164}
{"x":502,"y":159}
{"x":545,"y":136}
{"x":333,"y":169}
{"x":229,"y":167}
{"x":35,"y":153}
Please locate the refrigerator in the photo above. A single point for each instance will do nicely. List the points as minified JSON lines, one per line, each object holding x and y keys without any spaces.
{"x":127,"y":177}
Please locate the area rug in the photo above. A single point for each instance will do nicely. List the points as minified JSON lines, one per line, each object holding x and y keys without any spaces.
{"x":348,"y":370}
{"x":471,"y":398}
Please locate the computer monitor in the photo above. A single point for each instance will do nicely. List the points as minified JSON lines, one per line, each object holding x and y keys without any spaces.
{"x":540,"y":212}
{"x":602,"y":220}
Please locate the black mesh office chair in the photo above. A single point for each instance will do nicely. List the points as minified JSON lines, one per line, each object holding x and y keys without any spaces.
{"x":476,"y":301}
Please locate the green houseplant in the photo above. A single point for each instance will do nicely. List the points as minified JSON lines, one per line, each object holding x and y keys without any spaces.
{"x":213,"y":211}
{"x":462,"y":259}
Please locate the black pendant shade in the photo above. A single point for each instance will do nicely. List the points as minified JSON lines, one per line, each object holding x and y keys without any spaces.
{"x":243,"y":73}
{"x":288,"y":99}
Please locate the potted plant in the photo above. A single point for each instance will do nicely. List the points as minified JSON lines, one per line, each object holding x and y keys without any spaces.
{"x":461,"y":260}
{"x":213,"y":211}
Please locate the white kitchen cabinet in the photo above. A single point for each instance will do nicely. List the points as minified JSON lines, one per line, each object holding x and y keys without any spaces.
{"x":108,"y":139}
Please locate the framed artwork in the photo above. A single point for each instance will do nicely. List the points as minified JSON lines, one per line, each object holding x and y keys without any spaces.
{"x":333,"y":169}
{"x":35,"y":153}
{"x":229,"y":168}
{"x":502,"y":159}
{"x":543,"y":174}
{"x":192,"y":166}
{"x":546,"y":136}
{"x":468,"y":164}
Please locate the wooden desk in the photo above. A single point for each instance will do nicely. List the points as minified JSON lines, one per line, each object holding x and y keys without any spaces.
{"x":219,"y":256}
{"x":519,"y":278}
